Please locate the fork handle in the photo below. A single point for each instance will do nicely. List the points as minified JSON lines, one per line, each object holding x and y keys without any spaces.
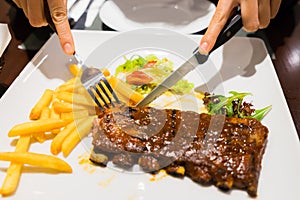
{"x":48,"y":17}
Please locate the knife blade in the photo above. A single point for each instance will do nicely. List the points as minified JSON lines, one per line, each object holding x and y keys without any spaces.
{"x":233,"y":25}
{"x":80,"y":23}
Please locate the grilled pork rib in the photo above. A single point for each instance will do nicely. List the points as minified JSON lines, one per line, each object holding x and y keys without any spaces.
{"x":210,"y":149}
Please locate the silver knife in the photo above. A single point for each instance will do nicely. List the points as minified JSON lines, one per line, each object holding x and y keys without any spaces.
{"x":177,"y":75}
{"x":80,"y":23}
{"x":233,"y":25}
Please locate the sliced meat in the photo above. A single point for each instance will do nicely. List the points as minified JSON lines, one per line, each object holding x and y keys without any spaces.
{"x":210,"y":149}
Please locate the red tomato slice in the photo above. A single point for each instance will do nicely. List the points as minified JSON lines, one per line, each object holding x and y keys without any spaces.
{"x":138,"y":78}
{"x":150,"y":64}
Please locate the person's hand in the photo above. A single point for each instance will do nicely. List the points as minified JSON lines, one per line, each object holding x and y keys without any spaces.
{"x":34,"y":11}
{"x":256,"y":14}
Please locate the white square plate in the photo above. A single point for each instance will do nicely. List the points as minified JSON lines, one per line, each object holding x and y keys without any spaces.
{"x":244,"y":65}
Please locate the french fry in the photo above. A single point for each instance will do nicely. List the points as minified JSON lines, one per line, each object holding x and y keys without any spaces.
{"x":54,"y":115}
{"x":66,"y":88}
{"x":65,"y":96}
{"x":80,"y":90}
{"x":14,"y":170}
{"x":56,"y":143}
{"x":37,"y":126}
{"x":45,"y":114}
{"x":64,"y":107}
{"x":83,"y":129}
{"x":76,"y":87}
{"x":41,"y":137}
{"x":36,"y":159}
{"x":69,"y":82}
{"x":74,"y":69}
{"x":75,"y":98}
{"x":75,"y":115}
{"x":44,"y":101}
{"x":122,"y":88}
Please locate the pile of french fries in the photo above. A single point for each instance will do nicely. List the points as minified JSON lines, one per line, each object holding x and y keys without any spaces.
{"x":62,"y":116}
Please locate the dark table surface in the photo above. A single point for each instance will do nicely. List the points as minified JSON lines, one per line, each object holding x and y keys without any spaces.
{"x":282,"y":37}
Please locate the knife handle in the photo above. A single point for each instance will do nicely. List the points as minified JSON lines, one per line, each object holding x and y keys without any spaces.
{"x":233,"y":25}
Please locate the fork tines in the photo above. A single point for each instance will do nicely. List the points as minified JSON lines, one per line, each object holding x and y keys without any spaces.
{"x":103,"y":94}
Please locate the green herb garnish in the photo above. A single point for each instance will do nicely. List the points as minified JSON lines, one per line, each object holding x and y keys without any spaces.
{"x":233,"y":106}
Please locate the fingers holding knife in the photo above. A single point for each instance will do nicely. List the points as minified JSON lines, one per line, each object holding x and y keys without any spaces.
{"x":255,"y":14}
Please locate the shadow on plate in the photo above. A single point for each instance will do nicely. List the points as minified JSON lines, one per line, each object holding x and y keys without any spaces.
{"x":231,"y":67}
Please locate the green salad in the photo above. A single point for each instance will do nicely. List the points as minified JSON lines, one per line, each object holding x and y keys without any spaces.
{"x":143,"y":74}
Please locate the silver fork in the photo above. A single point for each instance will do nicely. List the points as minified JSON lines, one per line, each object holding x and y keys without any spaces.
{"x":92,"y":78}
